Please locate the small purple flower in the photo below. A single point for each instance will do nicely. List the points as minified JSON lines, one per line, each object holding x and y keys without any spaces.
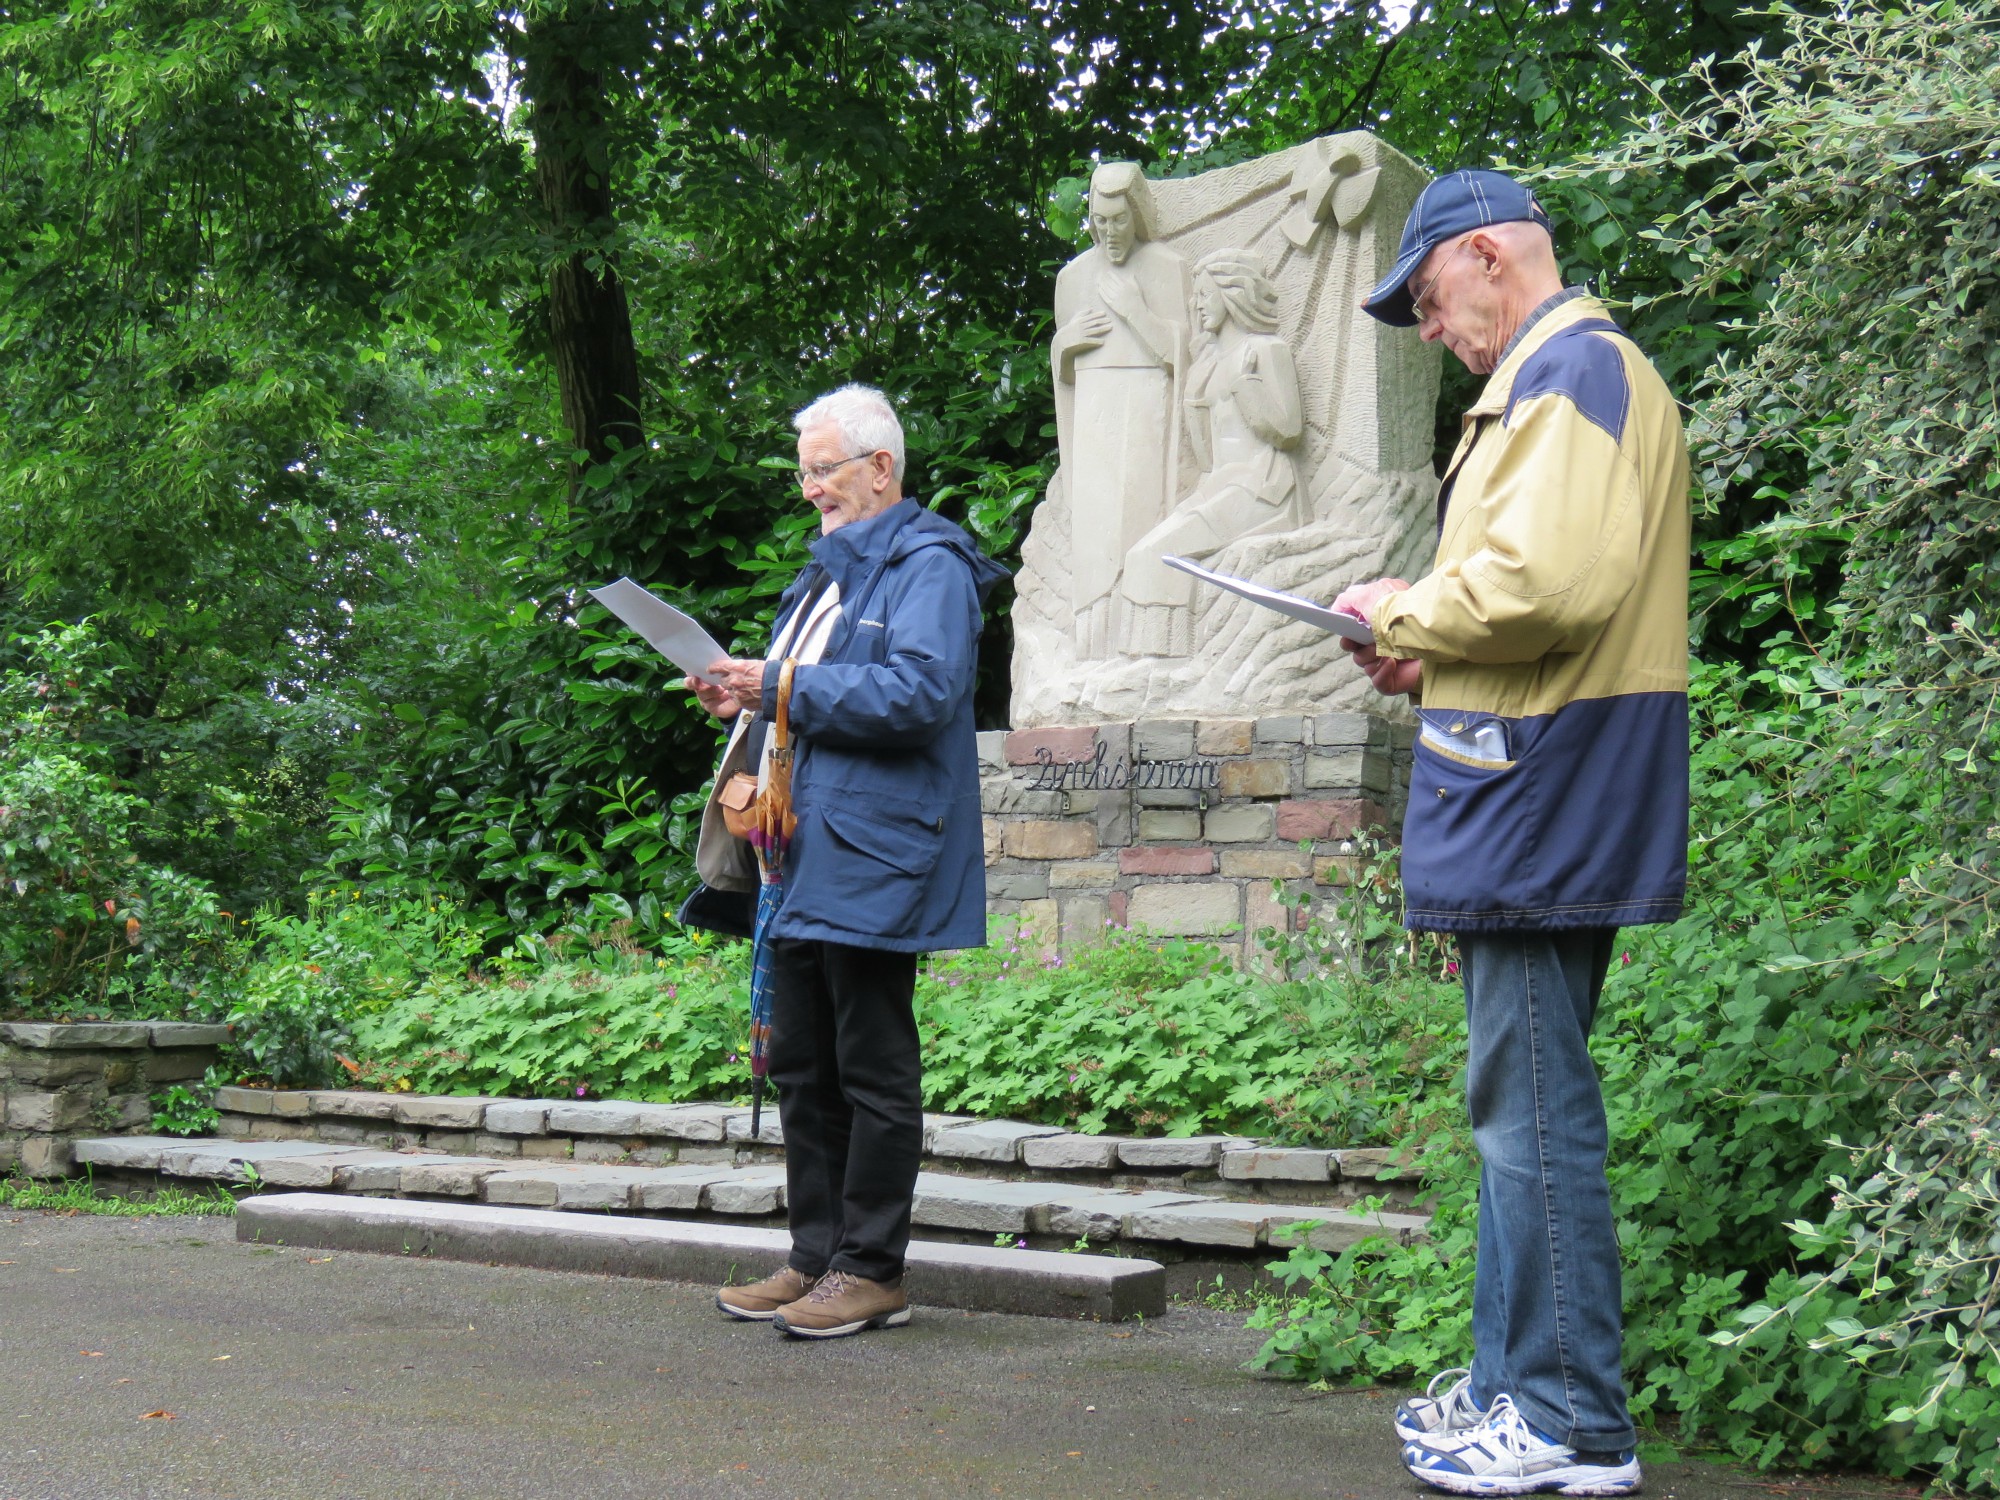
{"x":1451,"y":968}
{"x":582,"y":1089}
{"x":1020,"y":1244}
{"x":1624,"y":958}
{"x":732,"y":1057}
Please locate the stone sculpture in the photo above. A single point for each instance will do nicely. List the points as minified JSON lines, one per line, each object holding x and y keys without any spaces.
{"x":1119,"y":352}
{"x":1250,"y":415}
{"x":1244,"y":421}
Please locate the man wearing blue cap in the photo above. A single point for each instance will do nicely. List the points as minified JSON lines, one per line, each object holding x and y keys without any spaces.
{"x":1547,"y":653}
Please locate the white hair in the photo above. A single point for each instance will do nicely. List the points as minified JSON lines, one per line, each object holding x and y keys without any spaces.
{"x":865,"y":418}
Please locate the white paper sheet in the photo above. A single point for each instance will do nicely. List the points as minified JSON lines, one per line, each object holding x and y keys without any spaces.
{"x":1350,"y":626}
{"x":675,"y":634}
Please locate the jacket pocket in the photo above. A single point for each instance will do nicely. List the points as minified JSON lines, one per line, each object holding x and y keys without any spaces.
{"x":1472,"y":834}
{"x":865,"y":869}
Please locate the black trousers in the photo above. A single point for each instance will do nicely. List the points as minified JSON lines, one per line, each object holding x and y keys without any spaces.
{"x":844,"y":1056}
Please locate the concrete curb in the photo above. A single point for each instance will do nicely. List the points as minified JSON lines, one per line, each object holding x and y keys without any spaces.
{"x":1039,"y":1283}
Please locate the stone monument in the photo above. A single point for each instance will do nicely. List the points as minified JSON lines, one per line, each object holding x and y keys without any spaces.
{"x":1220,"y":395}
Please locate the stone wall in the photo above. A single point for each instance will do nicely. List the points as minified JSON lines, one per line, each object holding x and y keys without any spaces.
{"x":1178,"y":827}
{"x":62,"y":1083}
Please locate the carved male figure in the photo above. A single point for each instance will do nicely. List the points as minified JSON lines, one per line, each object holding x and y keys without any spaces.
{"x":1119,"y":352}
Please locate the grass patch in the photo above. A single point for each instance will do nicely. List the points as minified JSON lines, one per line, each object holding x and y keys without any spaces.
{"x":79,"y":1195}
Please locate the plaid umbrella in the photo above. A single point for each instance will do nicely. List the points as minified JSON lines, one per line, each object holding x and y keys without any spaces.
{"x":770,"y":838}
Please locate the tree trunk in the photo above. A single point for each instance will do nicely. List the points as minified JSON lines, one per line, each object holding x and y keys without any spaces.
{"x":590,"y":326}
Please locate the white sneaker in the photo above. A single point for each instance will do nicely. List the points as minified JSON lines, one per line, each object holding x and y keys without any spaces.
{"x":1503,"y":1455}
{"x":1435,"y":1413}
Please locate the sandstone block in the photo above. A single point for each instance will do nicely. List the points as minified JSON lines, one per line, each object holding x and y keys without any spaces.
{"x":1207,"y":1223}
{"x":348,"y":1133}
{"x":589,"y":1149}
{"x":519,"y":1116}
{"x":989,"y":829}
{"x":545,"y":1148}
{"x":45,"y":1034}
{"x":1103,"y":1217}
{"x":1161,"y":824}
{"x":935,"y":1123}
{"x":441,"y":1113}
{"x":1223,"y":736}
{"x":676,"y":1189}
{"x":1244,"y":823}
{"x":1336,"y":869}
{"x":1082,"y":874}
{"x":448,"y":1178}
{"x":1263,"y":911}
{"x":37,"y":1110}
{"x":47,"y":1156}
{"x":233,"y":1100}
{"x":291,"y":1104}
{"x":1166,"y":861}
{"x":384,"y":1173}
{"x":1166,"y":796}
{"x":770,"y":1132}
{"x":1349,"y":729}
{"x":1068,"y":1152}
{"x":1083,"y":920}
{"x":1348,"y":769}
{"x":1017,"y":884}
{"x":452,"y":1142}
{"x":1049,"y":840}
{"x":685,"y":1122}
{"x":748,"y":1190}
{"x":1283,"y":729}
{"x":1256,"y":778}
{"x":1266,"y":864}
{"x":1187,"y":910}
{"x":354,"y":1104}
{"x":992,"y":745}
{"x":1377,"y":1163}
{"x":1004,"y":795}
{"x":186,"y":1034}
{"x":1272,"y":1164}
{"x":988,"y":1140}
{"x":1180,"y":1151}
{"x":1114,"y":820}
{"x":138,"y":1153}
{"x":486,"y":1144}
{"x":177,"y":1065}
{"x":1066,"y":746}
{"x":1163,"y":739}
{"x":1339,"y":819}
{"x":611,"y":1117}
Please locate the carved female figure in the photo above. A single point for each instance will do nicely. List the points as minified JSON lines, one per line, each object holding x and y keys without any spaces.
{"x":1245,"y":420}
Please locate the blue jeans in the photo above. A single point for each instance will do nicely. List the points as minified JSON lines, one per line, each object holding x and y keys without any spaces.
{"x":1547,"y":1311}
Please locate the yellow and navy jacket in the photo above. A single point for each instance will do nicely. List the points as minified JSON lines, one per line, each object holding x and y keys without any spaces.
{"x":1550,"y":785}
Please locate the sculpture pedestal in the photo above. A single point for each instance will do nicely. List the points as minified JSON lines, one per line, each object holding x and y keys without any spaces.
{"x":1178,"y":827}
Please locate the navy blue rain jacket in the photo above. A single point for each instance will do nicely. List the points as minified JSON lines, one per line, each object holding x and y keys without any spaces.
{"x":888,"y":852}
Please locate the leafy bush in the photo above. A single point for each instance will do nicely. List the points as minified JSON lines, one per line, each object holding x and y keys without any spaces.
{"x":661,"y":1029}
{"x":85,"y":925}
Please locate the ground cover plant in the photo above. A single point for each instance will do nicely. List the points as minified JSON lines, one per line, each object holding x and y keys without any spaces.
{"x":80,"y":1195}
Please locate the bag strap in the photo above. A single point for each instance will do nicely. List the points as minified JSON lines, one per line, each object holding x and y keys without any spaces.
{"x":781,"y":726}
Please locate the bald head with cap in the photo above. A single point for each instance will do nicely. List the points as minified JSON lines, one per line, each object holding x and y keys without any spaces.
{"x":1477,"y":258}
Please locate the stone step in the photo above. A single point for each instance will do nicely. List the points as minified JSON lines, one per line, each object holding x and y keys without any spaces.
{"x":972,"y":1277}
{"x":626,"y":1133}
{"x":950,"y":1204}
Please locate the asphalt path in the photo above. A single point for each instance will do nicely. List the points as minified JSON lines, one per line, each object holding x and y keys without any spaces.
{"x":144,"y":1358}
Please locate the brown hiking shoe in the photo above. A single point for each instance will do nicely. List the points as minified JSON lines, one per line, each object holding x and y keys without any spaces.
{"x":760,"y":1300}
{"x":843,"y":1303}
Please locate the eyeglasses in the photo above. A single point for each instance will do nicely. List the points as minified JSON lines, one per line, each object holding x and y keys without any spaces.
{"x":1417,"y":298}
{"x":820,"y":473}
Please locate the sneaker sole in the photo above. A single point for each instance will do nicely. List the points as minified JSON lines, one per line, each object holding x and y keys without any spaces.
{"x":746,"y":1314}
{"x":842,"y":1330}
{"x":1553,"y":1482}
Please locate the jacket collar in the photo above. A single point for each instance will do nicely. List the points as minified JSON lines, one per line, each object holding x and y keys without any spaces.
{"x":1564,"y":310}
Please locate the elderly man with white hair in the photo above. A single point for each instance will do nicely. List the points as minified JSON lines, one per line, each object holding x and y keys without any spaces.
{"x":887,"y":861}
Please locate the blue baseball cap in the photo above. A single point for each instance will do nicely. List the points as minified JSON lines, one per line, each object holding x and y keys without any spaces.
{"x":1451,"y":205}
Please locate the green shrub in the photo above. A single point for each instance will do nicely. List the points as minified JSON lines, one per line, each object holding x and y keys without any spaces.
{"x":86,"y":926}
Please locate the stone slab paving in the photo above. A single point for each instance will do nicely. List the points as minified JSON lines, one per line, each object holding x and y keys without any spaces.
{"x":944,"y":1201}
{"x":620,"y":1131}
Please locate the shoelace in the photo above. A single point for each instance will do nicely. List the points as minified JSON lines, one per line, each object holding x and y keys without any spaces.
{"x":1510,"y":1429}
{"x":830,"y":1286}
{"x":1457,"y":1398}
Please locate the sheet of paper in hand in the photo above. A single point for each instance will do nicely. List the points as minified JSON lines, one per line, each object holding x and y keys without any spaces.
{"x":676,"y":635}
{"x":1352,"y":627}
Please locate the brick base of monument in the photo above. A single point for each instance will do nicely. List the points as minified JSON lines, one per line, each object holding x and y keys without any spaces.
{"x":1179,"y":827}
